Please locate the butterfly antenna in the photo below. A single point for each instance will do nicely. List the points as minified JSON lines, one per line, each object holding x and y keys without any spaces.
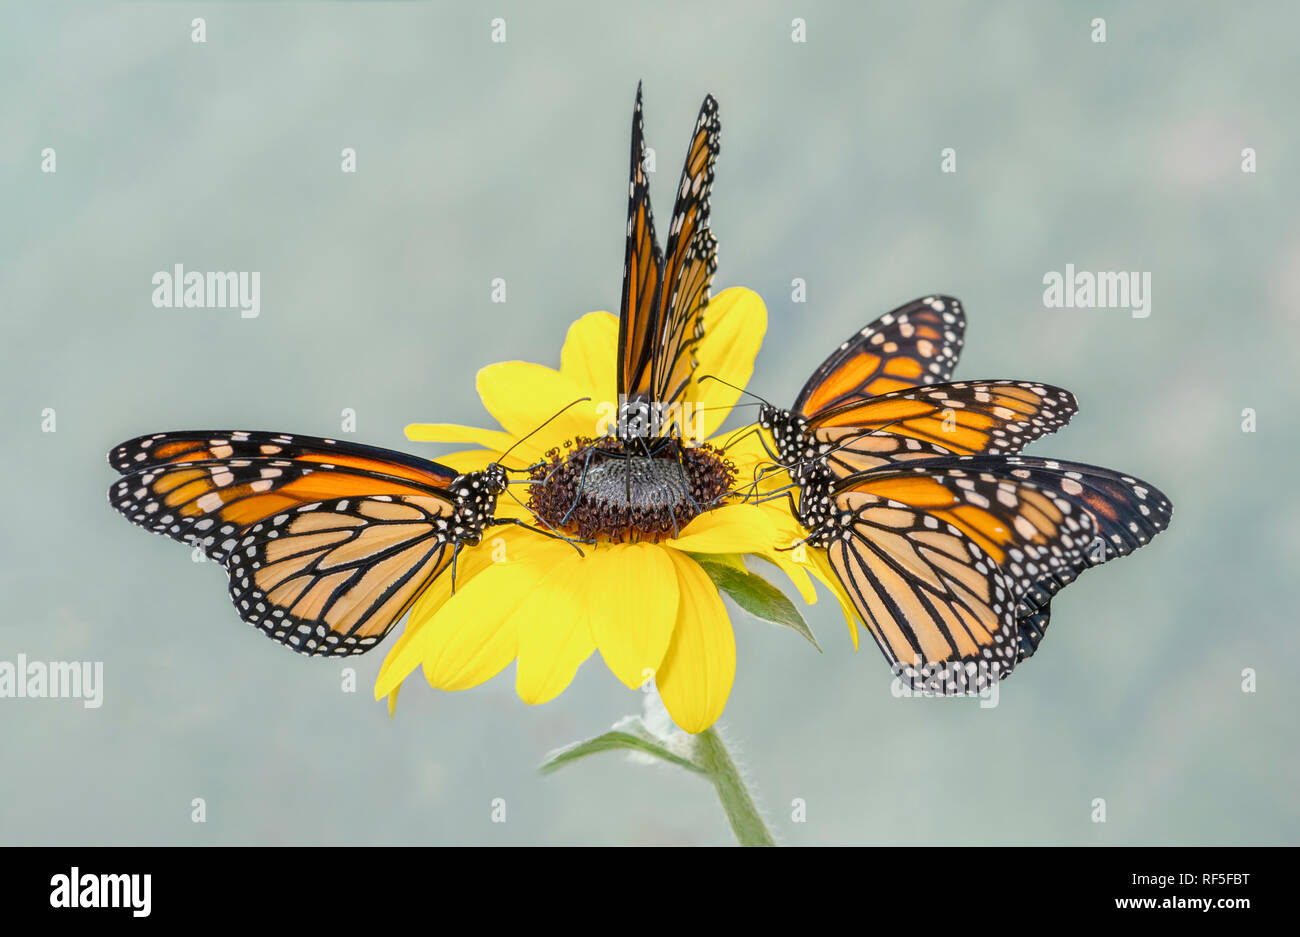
{"x":747,"y":403}
{"x":556,"y":416}
{"x":582,"y":481}
{"x":710,"y":377}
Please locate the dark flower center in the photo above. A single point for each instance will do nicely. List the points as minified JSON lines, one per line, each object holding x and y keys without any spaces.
{"x":627,"y":490}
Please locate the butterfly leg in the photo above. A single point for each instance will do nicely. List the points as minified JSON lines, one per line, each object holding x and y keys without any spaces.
{"x":553,"y":534}
{"x":627,"y":478}
{"x":686,"y":484}
{"x":768,"y":449}
{"x":796,"y":545}
{"x":672,"y":513}
{"x":784,"y":490}
{"x":647,"y":453}
{"x":737,"y":438}
{"x":794,"y":512}
{"x":582,"y":480}
{"x":752,"y":486}
{"x":455,"y":553}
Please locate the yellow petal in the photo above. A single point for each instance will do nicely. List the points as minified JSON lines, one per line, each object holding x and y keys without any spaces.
{"x":589,"y":358}
{"x":522,"y":453}
{"x":554,"y":631}
{"x":744,"y":447}
{"x":695,"y":677}
{"x":632,"y":601}
{"x":523,"y":396}
{"x":734,"y":323}
{"x":504,"y":544}
{"x":733,"y":528}
{"x":794,"y":563}
{"x":796,"y":572}
{"x":492,"y":439}
{"x":732,"y":561}
{"x":469,"y":460}
{"x":473,"y":637}
{"x":470,"y":641}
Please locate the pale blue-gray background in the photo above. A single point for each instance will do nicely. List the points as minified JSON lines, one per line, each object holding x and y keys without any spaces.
{"x":480,"y":160}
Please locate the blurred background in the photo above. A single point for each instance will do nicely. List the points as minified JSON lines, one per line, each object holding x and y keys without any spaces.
{"x":479,"y":159}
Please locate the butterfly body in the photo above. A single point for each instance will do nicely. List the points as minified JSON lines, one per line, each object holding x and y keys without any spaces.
{"x":801,"y":455}
{"x":476,"y":502}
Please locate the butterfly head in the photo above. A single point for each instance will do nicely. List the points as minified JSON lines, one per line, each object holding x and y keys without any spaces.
{"x":789,"y":432}
{"x":494,"y":478}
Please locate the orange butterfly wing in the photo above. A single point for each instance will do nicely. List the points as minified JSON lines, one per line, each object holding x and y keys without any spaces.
{"x":917,"y":343}
{"x":665,"y":294}
{"x":638,"y":320}
{"x":952,"y":562}
{"x":964,"y":418}
{"x":333,"y":577}
{"x":690,"y":261}
{"x":207,"y":485}
{"x":326,"y":544}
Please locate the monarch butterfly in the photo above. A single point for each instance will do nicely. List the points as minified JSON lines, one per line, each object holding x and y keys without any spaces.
{"x":642,"y":480}
{"x":327,"y":544}
{"x":881,"y":407}
{"x":661,"y":310}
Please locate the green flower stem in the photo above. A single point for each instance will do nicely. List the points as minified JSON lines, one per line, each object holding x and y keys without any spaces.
{"x":743,"y":816}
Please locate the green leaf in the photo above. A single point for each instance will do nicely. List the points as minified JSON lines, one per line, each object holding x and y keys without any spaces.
{"x":730,"y":560}
{"x":753,"y":593}
{"x":629,"y":735}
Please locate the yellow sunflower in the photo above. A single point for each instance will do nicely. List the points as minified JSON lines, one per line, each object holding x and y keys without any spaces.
{"x":649,"y":608}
